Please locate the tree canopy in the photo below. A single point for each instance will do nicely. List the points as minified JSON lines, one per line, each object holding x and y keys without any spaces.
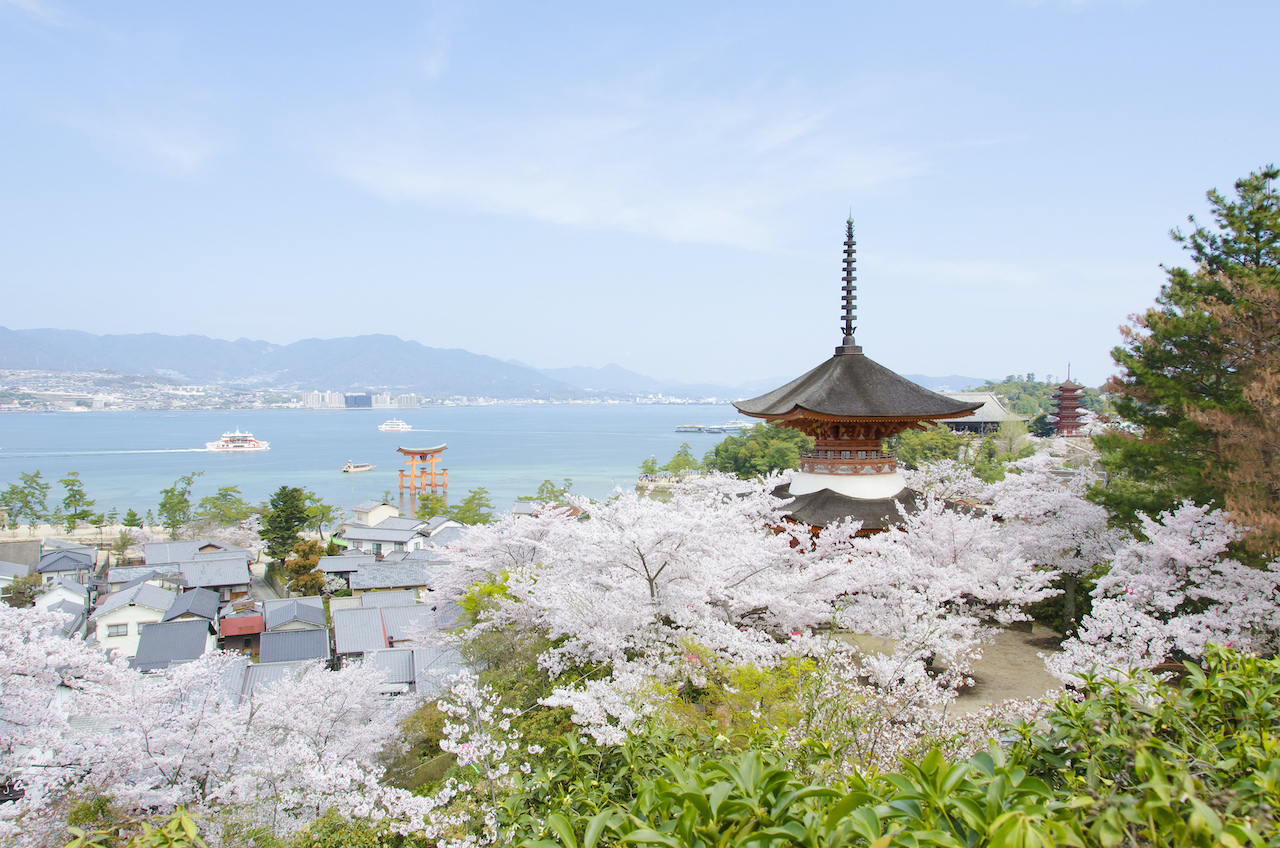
{"x":283,"y":521}
{"x":1177,"y":364}
{"x":759,"y":451}
{"x":175,"y":504}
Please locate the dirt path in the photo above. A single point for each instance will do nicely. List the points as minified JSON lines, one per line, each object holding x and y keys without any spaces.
{"x":1011,"y":667}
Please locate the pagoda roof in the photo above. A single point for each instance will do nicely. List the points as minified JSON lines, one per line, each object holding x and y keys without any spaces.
{"x":853,"y":386}
{"x":1071,"y":386}
{"x":825,"y":507}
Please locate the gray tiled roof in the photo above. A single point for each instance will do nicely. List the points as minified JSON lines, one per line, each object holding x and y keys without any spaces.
{"x":436,"y":522}
{"x":358,"y":630}
{"x":79,"y":589}
{"x":70,"y":560}
{"x":851,"y":385}
{"x":127,"y":574}
{"x":365,"y":506}
{"x":448,"y":536}
{"x":160,"y":645}
{"x":430,"y":554}
{"x":281,"y":614}
{"x":991,"y":411}
{"x":345,"y":563}
{"x":378,"y":534}
{"x":216,"y":572}
{"x":75,"y":623}
{"x":389,"y":598}
{"x":406,"y":622}
{"x":309,"y":600}
{"x":143,"y":595}
{"x":159,"y":553}
{"x":202,"y":603}
{"x":13,"y":569}
{"x":291,"y":645}
{"x":391,"y":576}
{"x":398,"y":523}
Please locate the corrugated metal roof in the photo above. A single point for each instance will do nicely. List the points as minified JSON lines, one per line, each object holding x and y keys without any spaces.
{"x":389,"y":598}
{"x":308,"y":600}
{"x":260,"y":675}
{"x":398,"y":523}
{"x":336,"y":604}
{"x":293,"y":645}
{"x":405,"y":622}
{"x":241,"y":625}
{"x":345,"y":563}
{"x":424,"y":670}
{"x":160,"y":645}
{"x":358,"y":630}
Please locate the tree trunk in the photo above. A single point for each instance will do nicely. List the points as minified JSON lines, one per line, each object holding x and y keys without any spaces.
{"x":1069,"y":582}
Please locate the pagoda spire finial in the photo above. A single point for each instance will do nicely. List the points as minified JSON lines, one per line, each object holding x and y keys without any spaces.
{"x":849,"y":298}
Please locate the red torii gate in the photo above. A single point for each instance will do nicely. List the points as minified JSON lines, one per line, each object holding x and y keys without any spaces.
{"x":417,"y":481}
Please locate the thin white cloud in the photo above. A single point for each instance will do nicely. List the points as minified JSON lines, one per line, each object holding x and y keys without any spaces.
{"x":41,"y":10}
{"x":172,"y":148}
{"x":706,"y":173}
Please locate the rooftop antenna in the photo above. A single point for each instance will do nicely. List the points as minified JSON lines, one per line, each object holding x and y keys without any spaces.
{"x":849,"y":298}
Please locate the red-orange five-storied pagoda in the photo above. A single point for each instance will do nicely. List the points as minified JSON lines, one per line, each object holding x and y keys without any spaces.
{"x":1067,"y":401}
{"x":850,"y":405}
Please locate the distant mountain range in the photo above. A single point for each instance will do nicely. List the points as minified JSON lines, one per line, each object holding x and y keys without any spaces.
{"x":353,"y":364}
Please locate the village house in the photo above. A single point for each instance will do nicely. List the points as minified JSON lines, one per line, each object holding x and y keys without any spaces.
{"x":166,"y":644}
{"x":9,"y":572}
{"x":295,"y":645}
{"x":240,"y":626}
{"x":121,"y":616}
{"x":77,"y":565}
{"x":194,"y":604}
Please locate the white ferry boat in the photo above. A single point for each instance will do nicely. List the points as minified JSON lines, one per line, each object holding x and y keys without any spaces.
{"x":394,"y":425}
{"x":237,"y":442}
{"x":354,"y":468}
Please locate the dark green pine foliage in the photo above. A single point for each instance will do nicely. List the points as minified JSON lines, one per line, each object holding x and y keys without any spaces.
{"x":1173,"y":359}
{"x":758,"y":451}
{"x":282,"y":524}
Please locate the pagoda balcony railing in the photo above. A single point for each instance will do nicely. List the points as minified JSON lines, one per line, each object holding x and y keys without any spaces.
{"x":848,"y":462}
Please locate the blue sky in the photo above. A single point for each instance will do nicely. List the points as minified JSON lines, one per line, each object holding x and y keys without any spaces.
{"x":660,"y":185}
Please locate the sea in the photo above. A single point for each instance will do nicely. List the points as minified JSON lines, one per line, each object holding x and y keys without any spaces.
{"x":125,"y":458}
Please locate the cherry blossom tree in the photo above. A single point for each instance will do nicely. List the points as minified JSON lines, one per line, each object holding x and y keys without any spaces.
{"x":937,"y":585}
{"x":45,"y":679}
{"x":1175,"y":590}
{"x":1048,"y":518}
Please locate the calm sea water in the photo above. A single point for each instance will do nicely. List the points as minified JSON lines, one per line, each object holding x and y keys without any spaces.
{"x":126,"y":458}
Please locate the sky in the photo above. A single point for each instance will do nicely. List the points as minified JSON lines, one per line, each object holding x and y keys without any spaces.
{"x":661,"y":185}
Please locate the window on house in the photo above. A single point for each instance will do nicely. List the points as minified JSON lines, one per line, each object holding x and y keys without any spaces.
{"x":248,"y":643}
{"x":399,"y":546}
{"x":117,"y":630}
{"x":377,"y":549}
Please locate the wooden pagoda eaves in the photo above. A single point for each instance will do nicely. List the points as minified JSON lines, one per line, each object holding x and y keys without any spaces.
{"x":416,"y":481}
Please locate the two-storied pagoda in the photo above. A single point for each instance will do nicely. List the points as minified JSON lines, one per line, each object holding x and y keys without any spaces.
{"x":850,"y":405}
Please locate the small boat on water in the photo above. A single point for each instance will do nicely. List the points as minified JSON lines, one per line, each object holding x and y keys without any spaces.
{"x":237,"y":442}
{"x":352,"y":468}
{"x":394,"y":425}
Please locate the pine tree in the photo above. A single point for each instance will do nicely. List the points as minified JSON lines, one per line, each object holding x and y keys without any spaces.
{"x":286,"y":516}
{"x":1176,"y":362}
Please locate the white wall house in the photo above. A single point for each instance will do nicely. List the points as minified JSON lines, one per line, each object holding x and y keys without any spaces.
{"x":118,"y":621}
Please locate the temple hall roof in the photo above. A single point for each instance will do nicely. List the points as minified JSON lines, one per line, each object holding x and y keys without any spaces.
{"x":851,"y":385}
